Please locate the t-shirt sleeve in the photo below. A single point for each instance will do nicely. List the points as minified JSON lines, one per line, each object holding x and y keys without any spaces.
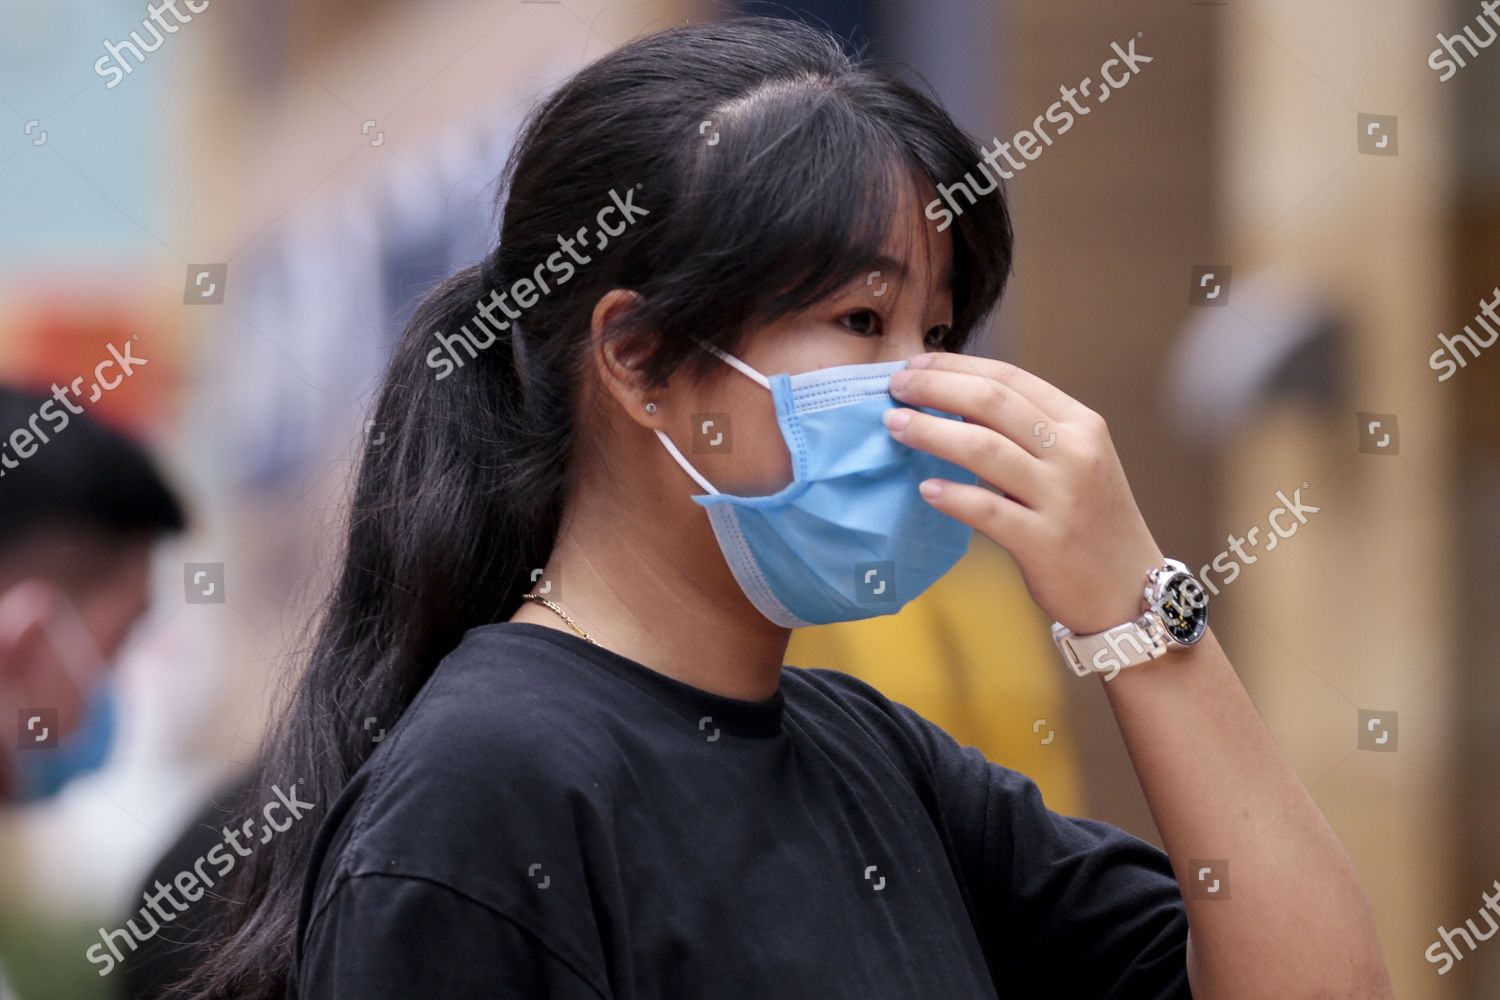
{"x":396,"y":937}
{"x":1079,"y":907}
{"x":1066,"y":907}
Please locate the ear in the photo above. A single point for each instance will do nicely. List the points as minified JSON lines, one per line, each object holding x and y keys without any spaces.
{"x":25,"y":608}
{"x":617,"y":359}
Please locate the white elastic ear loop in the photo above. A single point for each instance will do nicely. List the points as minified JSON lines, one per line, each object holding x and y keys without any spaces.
{"x":686,"y":465}
{"x":71,"y":638}
{"x":738,"y":365}
{"x":18,"y":603}
{"x":742,"y":368}
{"x":71,"y":641}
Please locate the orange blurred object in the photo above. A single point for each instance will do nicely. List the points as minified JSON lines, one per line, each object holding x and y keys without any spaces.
{"x":53,"y":335}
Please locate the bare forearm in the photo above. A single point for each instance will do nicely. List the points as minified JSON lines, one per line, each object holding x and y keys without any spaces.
{"x":1288,"y":918}
{"x":1291,"y":920}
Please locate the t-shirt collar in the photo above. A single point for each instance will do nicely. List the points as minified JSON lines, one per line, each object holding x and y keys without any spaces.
{"x":706,"y":710}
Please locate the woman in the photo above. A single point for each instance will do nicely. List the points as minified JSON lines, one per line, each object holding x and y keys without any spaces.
{"x":708,"y":388}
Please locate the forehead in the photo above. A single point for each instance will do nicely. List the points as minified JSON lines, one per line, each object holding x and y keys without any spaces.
{"x":914,"y":251}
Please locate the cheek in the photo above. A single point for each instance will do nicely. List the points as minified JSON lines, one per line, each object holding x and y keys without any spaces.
{"x":764,"y":465}
{"x":50,"y":686}
{"x":111,"y":633}
{"x":738,"y":445}
{"x":120,"y":607}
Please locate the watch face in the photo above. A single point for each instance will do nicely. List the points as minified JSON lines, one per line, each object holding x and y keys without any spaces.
{"x":1184,"y":609}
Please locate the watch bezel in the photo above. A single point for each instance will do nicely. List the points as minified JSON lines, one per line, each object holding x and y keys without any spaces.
{"x":1162,"y":580}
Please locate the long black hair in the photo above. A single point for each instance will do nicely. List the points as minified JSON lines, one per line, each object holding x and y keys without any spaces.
{"x":767,"y":166}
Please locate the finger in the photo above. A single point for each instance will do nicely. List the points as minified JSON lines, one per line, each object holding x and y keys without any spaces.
{"x":1043,"y":394}
{"x":1000,"y":518}
{"x":978,"y":400}
{"x":991,"y":456}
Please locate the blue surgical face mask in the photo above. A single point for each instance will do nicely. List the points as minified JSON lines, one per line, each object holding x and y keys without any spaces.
{"x":42,"y":773}
{"x":850,"y":537}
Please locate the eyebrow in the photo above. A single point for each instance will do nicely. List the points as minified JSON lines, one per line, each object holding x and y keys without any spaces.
{"x":890,"y":265}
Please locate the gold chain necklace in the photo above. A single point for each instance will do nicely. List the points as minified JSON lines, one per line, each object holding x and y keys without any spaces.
{"x":560,"y":613}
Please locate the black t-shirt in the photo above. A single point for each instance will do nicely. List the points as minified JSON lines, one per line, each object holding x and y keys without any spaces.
{"x":551,"y":819}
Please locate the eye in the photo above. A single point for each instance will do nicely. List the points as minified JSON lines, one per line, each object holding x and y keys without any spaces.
{"x":938,"y":335}
{"x":864,"y":322}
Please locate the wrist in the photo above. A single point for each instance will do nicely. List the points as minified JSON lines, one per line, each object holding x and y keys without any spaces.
{"x":1171,"y":611}
{"x":1120,"y":602}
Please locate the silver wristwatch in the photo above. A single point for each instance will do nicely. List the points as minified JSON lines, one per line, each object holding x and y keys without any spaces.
{"x":1175,"y":614}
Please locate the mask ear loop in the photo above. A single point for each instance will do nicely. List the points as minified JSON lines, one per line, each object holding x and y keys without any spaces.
{"x":738,"y":365}
{"x":742,"y":368}
{"x":686,"y":465}
{"x":71,"y":640}
{"x":75,"y":644}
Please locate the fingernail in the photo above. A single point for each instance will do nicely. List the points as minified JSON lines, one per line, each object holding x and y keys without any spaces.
{"x":896,"y":419}
{"x":930,"y":488}
{"x":919,"y":361}
{"x":899,"y":380}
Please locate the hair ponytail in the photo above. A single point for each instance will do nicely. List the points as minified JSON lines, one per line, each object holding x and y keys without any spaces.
{"x":457,"y":496}
{"x":460,"y":490}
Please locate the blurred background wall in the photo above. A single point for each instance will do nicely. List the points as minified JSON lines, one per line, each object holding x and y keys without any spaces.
{"x":1243,"y":258}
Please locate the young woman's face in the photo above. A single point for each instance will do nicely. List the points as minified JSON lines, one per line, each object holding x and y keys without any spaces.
{"x":902,"y":308}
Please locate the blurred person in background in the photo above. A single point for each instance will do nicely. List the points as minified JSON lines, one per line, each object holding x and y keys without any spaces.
{"x":78,"y":519}
{"x":81,"y":508}
{"x":618,"y":788}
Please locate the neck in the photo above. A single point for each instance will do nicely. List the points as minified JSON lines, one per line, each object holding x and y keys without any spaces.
{"x":662,"y":595}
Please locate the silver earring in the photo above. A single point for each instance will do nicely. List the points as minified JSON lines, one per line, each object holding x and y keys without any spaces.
{"x":650,"y":407}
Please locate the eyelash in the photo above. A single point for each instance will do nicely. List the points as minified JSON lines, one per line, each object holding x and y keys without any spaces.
{"x":942,"y":331}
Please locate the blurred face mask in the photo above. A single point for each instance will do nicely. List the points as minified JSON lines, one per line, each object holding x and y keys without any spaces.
{"x":850,"y":537}
{"x":42,"y":772}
